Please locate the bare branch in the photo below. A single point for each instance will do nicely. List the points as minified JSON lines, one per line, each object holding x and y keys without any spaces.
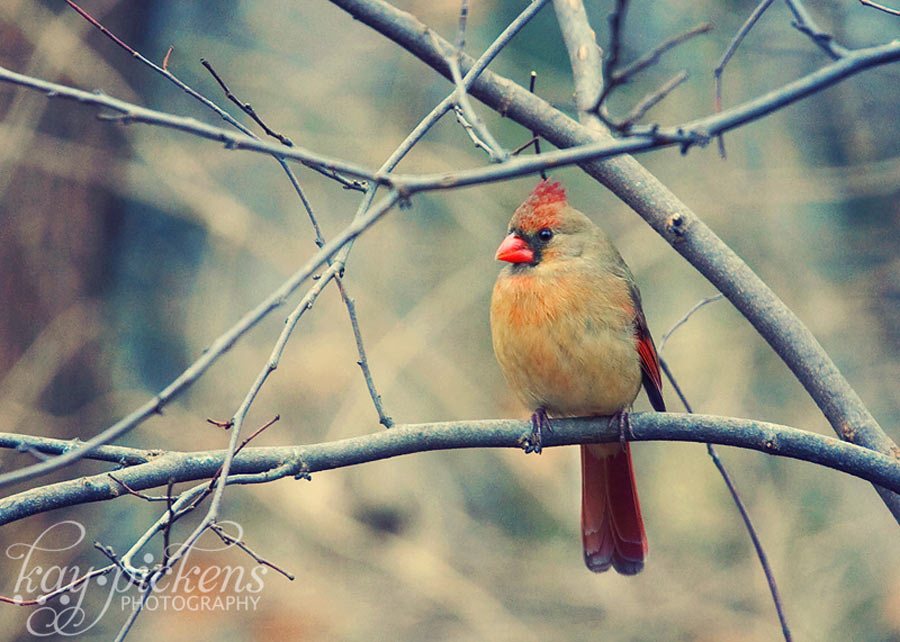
{"x":247,"y":108}
{"x":474,"y":125}
{"x":729,"y":52}
{"x":616,"y":22}
{"x":805,"y":24}
{"x":114,"y":454}
{"x":880,"y":7}
{"x":685,"y":318}
{"x":43,"y":599}
{"x":128,"y":489}
{"x":383,"y":418}
{"x":584,"y":57}
{"x":534,"y":137}
{"x":735,"y":495}
{"x":228,"y":539}
{"x":652,"y":99}
{"x":264,"y":464}
{"x":652,"y":57}
{"x":164,"y":71}
{"x":757,"y":543}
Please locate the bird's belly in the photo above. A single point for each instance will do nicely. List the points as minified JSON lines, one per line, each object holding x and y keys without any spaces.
{"x":568,"y":365}
{"x":600,"y":382}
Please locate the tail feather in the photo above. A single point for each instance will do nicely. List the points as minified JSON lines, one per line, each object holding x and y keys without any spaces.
{"x":611,"y":525}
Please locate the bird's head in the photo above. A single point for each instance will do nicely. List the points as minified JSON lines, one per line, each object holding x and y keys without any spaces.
{"x":545,"y":228}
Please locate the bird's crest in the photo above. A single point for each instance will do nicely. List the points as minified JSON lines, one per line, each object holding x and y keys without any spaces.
{"x":541,"y":207}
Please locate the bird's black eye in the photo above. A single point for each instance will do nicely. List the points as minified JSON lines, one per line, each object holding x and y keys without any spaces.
{"x":545,"y":234}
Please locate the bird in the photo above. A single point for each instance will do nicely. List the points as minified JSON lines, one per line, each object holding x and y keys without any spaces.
{"x":570,"y":336}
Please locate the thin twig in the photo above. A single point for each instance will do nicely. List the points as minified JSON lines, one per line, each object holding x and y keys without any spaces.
{"x":319,"y":240}
{"x":164,"y":71}
{"x":613,"y":76}
{"x":470,"y":131}
{"x":215,"y":478}
{"x":467,"y":114}
{"x":616,"y":20}
{"x":363,"y":362}
{"x":128,"y":489}
{"x":622,"y":76}
{"x":649,"y":101}
{"x":136,"y":579}
{"x":880,"y":7}
{"x":726,"y":477}
{"x":726,"y":56}
{"x":228,"y":539}
{"x":534,"y":136}
{"x":43,"y":599}
{"x":804,"y":23}
{"x":461,"y":29}
{"x":165,"y":62}
{"x":757,"y":544}
{"x":31,"y":450}
{"x":170,"y":521}
{"x":686,"y":317}
{"x":535,"y":141}
{"x":246,"y":107}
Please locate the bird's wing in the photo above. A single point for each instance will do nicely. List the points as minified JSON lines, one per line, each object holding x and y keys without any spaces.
{"x":647,"y":352}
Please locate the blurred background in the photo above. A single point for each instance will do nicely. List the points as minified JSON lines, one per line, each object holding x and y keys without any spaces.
{"x":125,"y":251}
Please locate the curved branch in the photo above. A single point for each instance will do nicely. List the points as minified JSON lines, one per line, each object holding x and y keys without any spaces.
{"x":283,"y":461}
{"x":675,"y":221}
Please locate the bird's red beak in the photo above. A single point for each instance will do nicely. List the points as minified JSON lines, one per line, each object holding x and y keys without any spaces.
{"x":514,"y":250}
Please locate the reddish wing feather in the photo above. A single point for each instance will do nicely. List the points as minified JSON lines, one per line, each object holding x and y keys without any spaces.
{"x":649,"y":364}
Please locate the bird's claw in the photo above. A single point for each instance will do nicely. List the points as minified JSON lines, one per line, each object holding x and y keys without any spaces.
{"x":623,"y":418}
{"x":539,"y":422}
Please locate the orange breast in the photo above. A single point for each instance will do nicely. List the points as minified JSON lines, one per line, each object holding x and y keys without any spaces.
{"x":565,"y":342}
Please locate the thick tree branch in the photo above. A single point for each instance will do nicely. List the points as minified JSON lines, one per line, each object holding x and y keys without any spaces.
{"x":675,"y":221}
{"x":271,"y":463}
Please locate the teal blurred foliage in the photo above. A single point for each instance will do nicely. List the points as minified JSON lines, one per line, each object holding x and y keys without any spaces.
{"x":125,"y":251}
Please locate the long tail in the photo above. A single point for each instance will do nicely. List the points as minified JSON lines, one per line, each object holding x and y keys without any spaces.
{"x":611,"y":524}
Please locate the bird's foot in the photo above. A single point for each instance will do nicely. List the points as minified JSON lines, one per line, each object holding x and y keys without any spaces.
{"x":539,"y":422}
{"x":623,"y":419}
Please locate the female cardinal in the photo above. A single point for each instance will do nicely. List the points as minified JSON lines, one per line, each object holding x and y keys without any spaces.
{"x":571,"y":339}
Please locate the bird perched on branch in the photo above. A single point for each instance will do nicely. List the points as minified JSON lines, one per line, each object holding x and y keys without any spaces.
{"x":571,"y":339}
